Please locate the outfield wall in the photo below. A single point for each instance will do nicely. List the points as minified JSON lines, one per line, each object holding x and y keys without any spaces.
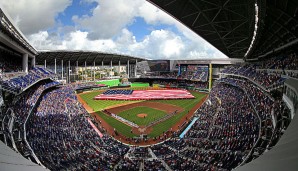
{"x":109,"y":83}
{"x":140,"y":84}
{"x":151,"y":83}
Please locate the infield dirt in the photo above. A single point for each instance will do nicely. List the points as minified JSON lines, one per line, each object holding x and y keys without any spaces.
{"x":142,"y":115}
{"x":168,"y":108}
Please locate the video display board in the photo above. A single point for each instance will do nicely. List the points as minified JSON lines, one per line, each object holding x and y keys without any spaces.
{"x":201,"y":73}
{"x":159,"y":65}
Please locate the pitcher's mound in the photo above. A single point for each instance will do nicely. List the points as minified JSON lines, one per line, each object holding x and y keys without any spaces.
{"x":142,"y":115}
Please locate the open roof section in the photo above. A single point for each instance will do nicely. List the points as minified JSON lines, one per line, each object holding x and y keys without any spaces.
{"x":229,"y":25}
{"x":81,"y":56}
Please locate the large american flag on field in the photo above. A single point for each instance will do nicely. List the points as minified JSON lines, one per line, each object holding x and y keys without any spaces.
{"x":148,"y":95}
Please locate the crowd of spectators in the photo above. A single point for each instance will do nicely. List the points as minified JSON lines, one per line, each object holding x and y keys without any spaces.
{"x":153,"y":165}
{"x":221,"y":138}
{"x":229,"y":128}
{"x":199,"y":75}
{"x":28,"y":99}
{"x":264,"y":78}
{"x":237,"y":117}
{"x":183,"y":84}
{"x":270,"y":110}
{"x":268,"y":73}
{"x":224,"y":134}
{"x":20,"y":109}
{"x":62,"y":138}
{"x":284,"y":62}
{"x":19,"y":83}
{"x":128,"y":164}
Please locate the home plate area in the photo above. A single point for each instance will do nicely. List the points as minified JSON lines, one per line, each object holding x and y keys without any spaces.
{"x":162,"y":94}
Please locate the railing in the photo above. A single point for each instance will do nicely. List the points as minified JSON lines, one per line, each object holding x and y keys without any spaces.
{"x":3,"y":128}
{"x":23,"y":89}
{"x":10,"y":128}
{"x":242,"y":76}
{"x":260,"y":123}
{"x":11,"y":75}
{"x":24,"y":127}
{"x":259,"y":85}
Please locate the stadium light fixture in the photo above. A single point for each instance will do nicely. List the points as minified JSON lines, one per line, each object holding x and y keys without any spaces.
{"x":255,"y":31}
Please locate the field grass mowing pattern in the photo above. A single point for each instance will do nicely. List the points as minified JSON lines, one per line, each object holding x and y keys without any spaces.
{"x":187,"y":104}
{"x":97,"y":105}
{"x":119,"y":126}
{"x":152,"y":115}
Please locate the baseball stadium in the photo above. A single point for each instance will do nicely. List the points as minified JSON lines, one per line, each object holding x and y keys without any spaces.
{"x":95,"y":110}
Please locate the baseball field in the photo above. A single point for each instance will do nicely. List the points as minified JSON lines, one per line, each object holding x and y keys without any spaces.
{"x":153,"y":117}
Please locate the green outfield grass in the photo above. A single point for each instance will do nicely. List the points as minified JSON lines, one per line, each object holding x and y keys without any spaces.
{"x":152,"y":115}
{"x":98,"y":105}
{"x":186,"y":104}
{"x":139,"y":84}
{"x":110,"y":83}
{"x":119,"y":126}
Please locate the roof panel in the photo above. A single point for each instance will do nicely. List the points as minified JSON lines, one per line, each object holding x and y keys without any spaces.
{"x":82,"y":56}
{"x":215,"y":20}
{"x":228,"y":24}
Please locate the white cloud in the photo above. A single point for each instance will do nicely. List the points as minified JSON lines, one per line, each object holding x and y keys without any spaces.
{"x":159,"y":44}
{"x":126,"y":37}
{"x":106,"y":29}
{"x":109,"y":18}
{"x":153,"y":15}
{"x":33,"y":16}
{"x":76,"y":40}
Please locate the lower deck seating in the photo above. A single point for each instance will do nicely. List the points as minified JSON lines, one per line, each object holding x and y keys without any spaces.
{"x":235,"y":119}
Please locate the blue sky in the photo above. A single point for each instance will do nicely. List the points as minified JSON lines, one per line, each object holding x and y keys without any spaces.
{"x":78,"y":8}
{"x":131,"y":27}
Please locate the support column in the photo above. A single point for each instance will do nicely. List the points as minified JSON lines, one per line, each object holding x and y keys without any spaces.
{"x":25,"y":63}
{"x":210,"y":77}
{"x":119,"y":67}
{"x":55,"y":66}
{"x":68,"y":71}
{"x":102,"y":63}
{"x":77,"y":69}
{"x":33,"y":62}
{"x":127,"y":68}
{"x":85,"y":71}
{"x":62,"y":69}
{"x":111,"y":65}
{"x":136,"y":68}
{"x":45,"y":63}
{"x":94,"y":71}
